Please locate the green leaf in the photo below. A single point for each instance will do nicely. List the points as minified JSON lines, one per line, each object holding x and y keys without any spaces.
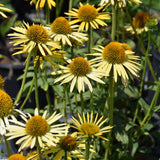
{"x":143,"y":104}
{"x":134,"y":148}
{"x":6,"y":24}
{"x":29,"y":110}
{"x":29,"y":75}
{"x":122,"y":137}
{"x":157,"y":109}
{"x":131,"y":91}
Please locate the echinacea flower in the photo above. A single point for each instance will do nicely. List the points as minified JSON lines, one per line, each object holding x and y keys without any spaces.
{"x":121,"y":3}
{"x":36,"y":129}
{"x":30,"y":37}
{"x":119,"y":58}
{"x":78,"y":70}
{"x":139,"y":22}
{"x":4,"y":9}
{"x":6,"y":110}
{"x":17,"y":157}
{"x":41,"y":3}
{"x":90,"y":126}
{"x":88,"y":15}
{"x":62,"y":31}
{"x":70,"y":144}
{"x":1,"y":82}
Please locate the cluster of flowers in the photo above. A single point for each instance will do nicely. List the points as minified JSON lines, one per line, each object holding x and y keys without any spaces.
{"x":45,"y":42}
{"x":45,"y":131}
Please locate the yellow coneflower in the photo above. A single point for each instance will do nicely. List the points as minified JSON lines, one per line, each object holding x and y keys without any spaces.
{"x":30,"y":37}
{"x":121,"y":3}
{"x":1,"y":82}
{"x":88,"y":15}
{"x":17,"y":157}
{"x":62,"y":31}
{"x":36,"y":128}
{"x":78,"y":70}
{"x":139,"y":22}
{"x":118,"y":57}
{"x":41,"y":3}
{"x":70,"y":144}
{"x":92,"y":127}
{"x":3,"y":9}
{"x":6,"y":110}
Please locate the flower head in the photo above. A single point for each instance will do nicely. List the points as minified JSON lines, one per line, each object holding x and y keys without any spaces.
{"x":17,"y":157}
{"x":6,"y":110}
{"x":6,"y":104}
{"x":92,"y":127}
{"x":70,"y":144}
{"x":3,"y":9}
{"x":1,"y":82}
{"x":139,"y":22}
{"x":41,"y":3}
{"x":35,"y":128}
{"x":119,"y":58}
{"x":88,"y":15}
{"x":78,"y":70}
{"x":121,"y":3}
{"x":62,"y":30}
{"x":31,"y":37}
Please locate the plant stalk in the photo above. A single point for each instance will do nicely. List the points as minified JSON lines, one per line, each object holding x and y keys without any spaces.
{"x":36,"y":86}
{"x":38,"y":149}
{"x":64,"y":102}
{"x":24,"y":78}
{"x":143,"y":75}
{"x":87,"y":148}
{"x":82,"y":103}
{"x":70,"y":8}
{"x":110,"y":104}
{"x":28,"y":94}
{"x":8,"y":146}
{"x":113,"y":32}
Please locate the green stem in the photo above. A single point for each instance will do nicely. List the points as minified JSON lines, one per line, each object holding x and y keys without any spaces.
{"x":141,"y":43}
{"x":143,"y":75}
{"x":64,"y":101}
{"x":72,"y":53}
{"x":47,"y":92}
{"x":38,"y":13}
{"x":47,"y":13}
{"x":76,"y":103}
{"x":38,"y":149}
{"x":113,"y":32}
{"x":87,"y":148}
{"x":8,"y":146}
{"x":47,"y":158}
{"x":24,"y":78}
{"x":91,"y":102}
{"x":89,"y":39}
{"x":65,"y":156}
{"x":110,"y":104}
{"x":82,"y":103}
{"x":28,"y":94}
{"x":70,"y":8}
{"x":36,"y":86}
{"x":59,"y":4}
